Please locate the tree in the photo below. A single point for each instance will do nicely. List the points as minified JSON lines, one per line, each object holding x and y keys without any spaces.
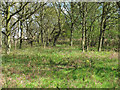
{"x":71,"y":15}
{"x":8,"y":16}
{"x":106,"y":15}
{"x":58,"y":8}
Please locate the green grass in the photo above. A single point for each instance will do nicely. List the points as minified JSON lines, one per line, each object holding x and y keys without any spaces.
{"x":63,"y":67}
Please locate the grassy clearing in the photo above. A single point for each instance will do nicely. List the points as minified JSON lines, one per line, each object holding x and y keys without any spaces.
{"x":63,"y":67}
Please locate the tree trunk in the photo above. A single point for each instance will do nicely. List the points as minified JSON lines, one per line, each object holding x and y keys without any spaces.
{"x":38,"y":38}
{"x":1,"y":34}
{"x":71,"y":28}
{"x":31,"y":43}
{"x":8,"y":44}
{"x":21,"y":28}
{"x":1,"y":38}
{"x":103,"y":38}
{"x":71,"y":37}
{"x":14,"y":42}
{"x":84,"y":30}
{"x":86,"y":43}
{"x":59,"y":26}
{"x":100,"y":41}
{"x":41,"y":35}
{"x":101,"y":28}
{"x":21,"y":34}
{"x":42,"y":32}
{"x":83,"y":42}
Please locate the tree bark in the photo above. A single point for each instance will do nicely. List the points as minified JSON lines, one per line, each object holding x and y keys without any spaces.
{"x":100,"y":41}
{"x":42,"y":32}
{"x":101,"y":29}
{"x":59,"y":26}
{"x":71,"y":37}
{"x":38,"y":38}
{"x":103,"y":38}
{"x":21,"y":28}
{"x":84,"y":30}
{"x":8,"y":43}
{"x":21,"y":34}
{"x":1,"y":34}
{"x":71,"y":28}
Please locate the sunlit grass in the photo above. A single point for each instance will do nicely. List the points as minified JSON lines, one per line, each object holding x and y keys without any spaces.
{"x":63,"y":67}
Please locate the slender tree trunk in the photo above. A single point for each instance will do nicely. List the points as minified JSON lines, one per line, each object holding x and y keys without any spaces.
{"x":47,"y":38}
{"x":43,"y":38}
{"x":14,"y":40}
{"x":84,"y":30}
{"x":42,"y":32}
{"x":83,"y":37}
{"x":71,"y":37}
{"x":21,"y":34}
{"x":101,"y":29}
{"x":59,"y":26}
{"x":71,"y":28}
{"x":103,"y":38}
{"x":21,"y":28}
{"x":41,"y":35}
{"x":86,"y":43}
{"x":38,"y":38}
{"x":83,"y":41}
{"x":90,"y":37}
{"x":86,"y":36}
{"x":100,"y":41}
{"x":1,"y":37}
{"x":31,"y":43}
{"x":71,"y":42}
{"x":8,"y":44}
{"x":47,"y":42}
{"x":15,"y":44}
{"x":1,"y":34}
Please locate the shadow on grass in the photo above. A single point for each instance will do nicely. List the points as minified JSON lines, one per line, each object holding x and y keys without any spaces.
{"x":36,"y":64}
{"x":33,"y":67}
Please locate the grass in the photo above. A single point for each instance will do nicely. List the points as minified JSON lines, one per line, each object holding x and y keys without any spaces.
{"x":63,"y":67}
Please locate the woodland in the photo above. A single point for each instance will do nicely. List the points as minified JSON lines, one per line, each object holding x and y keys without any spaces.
{"x":59,"y":44}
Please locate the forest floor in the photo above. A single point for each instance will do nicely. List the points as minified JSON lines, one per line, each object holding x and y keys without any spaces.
{"x":63,"y":67}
